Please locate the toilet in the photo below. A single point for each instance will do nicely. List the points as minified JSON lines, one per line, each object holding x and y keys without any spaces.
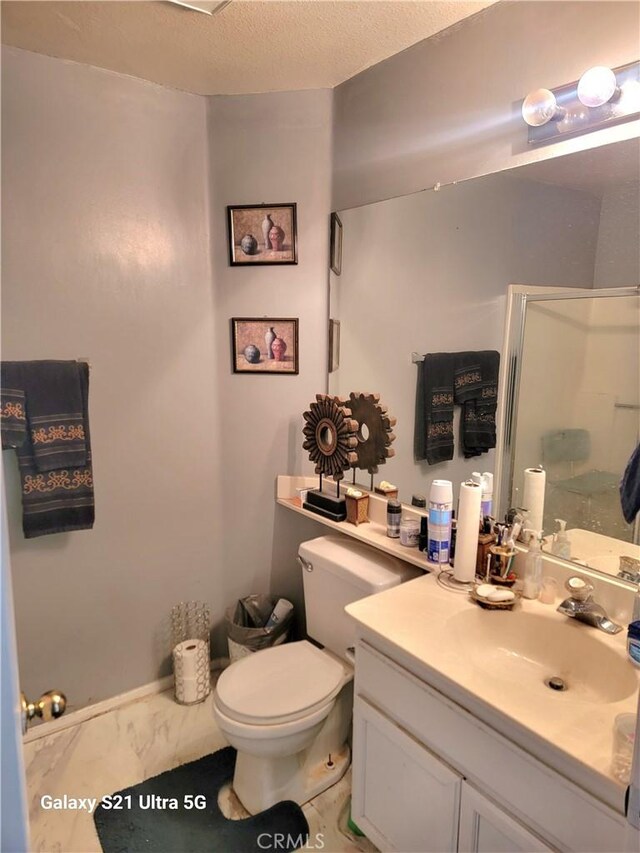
{"x":287,"y":709}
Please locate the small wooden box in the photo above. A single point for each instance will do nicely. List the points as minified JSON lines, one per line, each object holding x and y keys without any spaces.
{"x":358,"y":509}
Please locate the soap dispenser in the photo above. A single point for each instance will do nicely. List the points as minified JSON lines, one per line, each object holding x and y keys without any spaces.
{"x":532,"y":565}
{"x":561,"y":546}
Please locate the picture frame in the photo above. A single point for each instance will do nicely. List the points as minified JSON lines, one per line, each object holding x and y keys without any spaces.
{"x":334,"y":345}
{"x":262,"y":234}
{"x":335,"y":261}
{"x":255,"y":347}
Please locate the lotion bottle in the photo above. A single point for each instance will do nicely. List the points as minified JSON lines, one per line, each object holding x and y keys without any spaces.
{"x":561,"y":546}
{"x":532,"y":566}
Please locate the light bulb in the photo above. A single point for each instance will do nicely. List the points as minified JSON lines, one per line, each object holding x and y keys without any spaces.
{"x":539,"y":107}
{"x":597,"y":86}
{"x":630,"y":96}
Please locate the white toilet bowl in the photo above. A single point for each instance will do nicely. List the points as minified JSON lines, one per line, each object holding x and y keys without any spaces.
{"x":287,"y":711}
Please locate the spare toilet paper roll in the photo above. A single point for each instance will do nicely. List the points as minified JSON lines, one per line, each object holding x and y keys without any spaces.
{"x":533,"y":497}
{"x":464,"y":562}
{"x":191,"y":670}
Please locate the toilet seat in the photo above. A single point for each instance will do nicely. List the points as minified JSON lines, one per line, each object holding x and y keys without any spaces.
{"x":272,"y":731}
{"x":279,"y":685}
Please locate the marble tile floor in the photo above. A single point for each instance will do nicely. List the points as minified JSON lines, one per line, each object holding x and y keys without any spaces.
{"x":134,"y":742}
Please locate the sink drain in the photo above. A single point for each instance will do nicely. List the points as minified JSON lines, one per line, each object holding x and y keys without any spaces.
{"x":556,"y":683}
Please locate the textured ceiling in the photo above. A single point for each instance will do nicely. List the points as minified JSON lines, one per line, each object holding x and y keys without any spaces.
{"x":250,"y":46}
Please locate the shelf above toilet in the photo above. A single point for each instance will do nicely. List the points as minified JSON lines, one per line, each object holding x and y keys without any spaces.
{"x":374,"y":533}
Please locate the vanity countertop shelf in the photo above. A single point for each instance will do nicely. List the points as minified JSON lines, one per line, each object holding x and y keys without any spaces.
{"x":475,"y":657}
{"x":373,"y":533}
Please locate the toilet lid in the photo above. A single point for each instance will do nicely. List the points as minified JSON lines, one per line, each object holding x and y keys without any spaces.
{"x":278,"y":684}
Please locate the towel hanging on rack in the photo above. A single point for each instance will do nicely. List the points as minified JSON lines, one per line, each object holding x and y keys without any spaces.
{"x":469,"y":379}
{"x":54,"y":456}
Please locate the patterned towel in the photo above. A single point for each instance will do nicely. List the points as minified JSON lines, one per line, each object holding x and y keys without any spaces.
{"x":469,"y":379}
{"x":54,"y":411}
{"x":54,"y":456}
{"x":476,"y":389}
{"x":434,"y":408}
{"x":13,"y":418}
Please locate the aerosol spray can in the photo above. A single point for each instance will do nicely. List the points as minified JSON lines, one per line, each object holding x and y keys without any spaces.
{"x":440,"y":507}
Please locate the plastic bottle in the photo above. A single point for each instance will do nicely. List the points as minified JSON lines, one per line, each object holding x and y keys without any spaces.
{"x":487,"y":494}
{"x":278,"y":613}
{"x":533,"y":565}
{"x":423,"y":541}
{"x":440,"y":507}
{"x":561,"y":546}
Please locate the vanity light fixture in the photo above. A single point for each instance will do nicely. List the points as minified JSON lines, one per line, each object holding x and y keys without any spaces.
{"x":603,"y":96}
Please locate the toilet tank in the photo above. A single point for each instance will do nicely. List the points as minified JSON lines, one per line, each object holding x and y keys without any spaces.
{"x":337,"y":571}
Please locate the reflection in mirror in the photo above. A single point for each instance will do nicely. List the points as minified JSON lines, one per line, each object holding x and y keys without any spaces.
{"x":578,"y":413}
{"x":429,"y":272}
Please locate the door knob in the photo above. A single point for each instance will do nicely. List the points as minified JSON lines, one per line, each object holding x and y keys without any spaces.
{"x":49,"y":706}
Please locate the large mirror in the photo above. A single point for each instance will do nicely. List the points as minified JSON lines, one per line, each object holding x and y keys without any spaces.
{"x":431,"y":272}
{"x":576,"y":415}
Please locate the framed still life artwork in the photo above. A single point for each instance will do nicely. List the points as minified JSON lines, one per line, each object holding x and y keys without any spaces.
{"x":262,"y":234}
{"x":264,"y":345}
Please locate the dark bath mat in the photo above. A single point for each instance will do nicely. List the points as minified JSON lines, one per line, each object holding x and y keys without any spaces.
{"x":157,"y":830}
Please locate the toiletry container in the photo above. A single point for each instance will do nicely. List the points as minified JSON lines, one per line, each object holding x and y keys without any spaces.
{"x":409,"y":532}
{"x":560,"y":545}
{"x":394,"y":514}
{"x":532,"y":566}
{"x":487,"y":494}
{"x":440,"y":508}
{"x":288,"y":708}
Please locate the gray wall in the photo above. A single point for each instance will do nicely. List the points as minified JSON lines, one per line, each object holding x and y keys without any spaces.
{"x":106,"y":256}
{"x":448,"y":108}
{"x":617,"y":256}
{"x":268,"y":148}
{"x":109,"y":185}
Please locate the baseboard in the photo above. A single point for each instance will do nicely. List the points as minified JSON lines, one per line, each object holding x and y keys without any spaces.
{"x":74,"y":718}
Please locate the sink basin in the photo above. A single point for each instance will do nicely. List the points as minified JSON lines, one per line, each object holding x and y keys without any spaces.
{"x":528,"y":649}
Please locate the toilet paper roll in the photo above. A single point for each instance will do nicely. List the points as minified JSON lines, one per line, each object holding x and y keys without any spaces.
{"x":191,"y":671}
{"x":533,"y":497}
{"x":464,"y":562}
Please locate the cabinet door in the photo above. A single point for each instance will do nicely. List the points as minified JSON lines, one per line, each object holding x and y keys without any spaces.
{"x":404,"y":798}
{"x":485,"y":828}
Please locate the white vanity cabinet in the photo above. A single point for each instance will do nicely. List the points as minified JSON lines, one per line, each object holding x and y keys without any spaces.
{"x":430,"y":776}
{"x":486,"y":828}
{"x":405,"y":798}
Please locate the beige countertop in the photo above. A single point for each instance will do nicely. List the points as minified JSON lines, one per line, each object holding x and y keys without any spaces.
{"x":477,"y":659}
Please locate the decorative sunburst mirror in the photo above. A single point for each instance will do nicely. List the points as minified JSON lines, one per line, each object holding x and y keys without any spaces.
{"x":374,"y":434}
{"x":330,"y":438}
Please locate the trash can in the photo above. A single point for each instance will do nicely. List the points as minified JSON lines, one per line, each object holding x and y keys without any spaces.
{"x":257,"y":622}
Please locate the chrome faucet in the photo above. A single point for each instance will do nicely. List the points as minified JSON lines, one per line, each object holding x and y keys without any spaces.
{"x":581,"y":606}
{"x":629,"y":569}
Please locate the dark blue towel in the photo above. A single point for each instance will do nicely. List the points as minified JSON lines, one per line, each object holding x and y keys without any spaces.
{"x":630,"y":487}
{"x":54,"y":499}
